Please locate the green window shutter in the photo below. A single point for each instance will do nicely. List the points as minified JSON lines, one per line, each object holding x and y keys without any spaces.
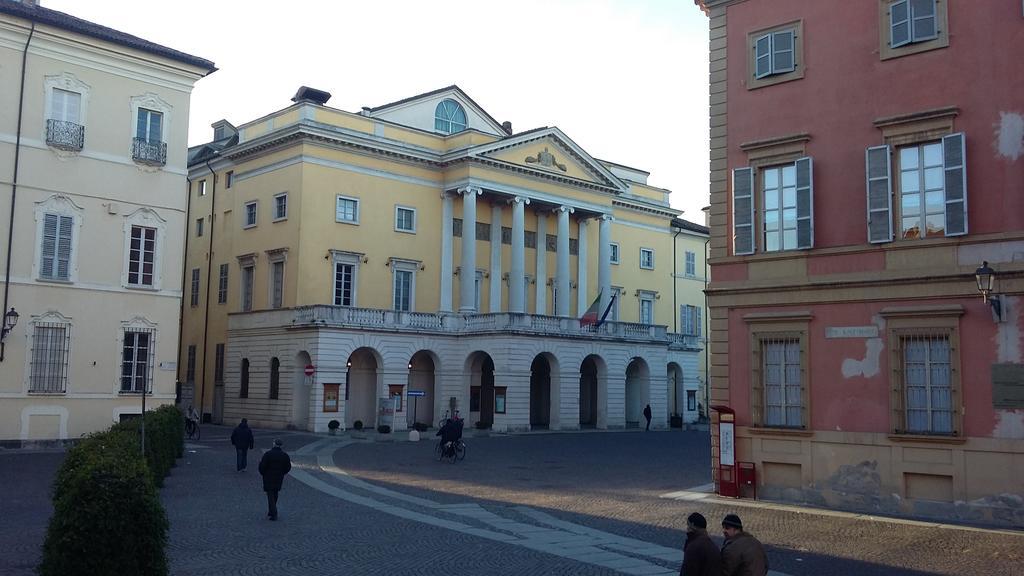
{"x":743,"y":211}
{"x":805,"y":203}
{"x":955,"y":167}
{"x":879,"y":194}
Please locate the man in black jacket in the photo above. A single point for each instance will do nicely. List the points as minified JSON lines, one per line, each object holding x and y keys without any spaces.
{"x":273,"y":467}
{"x":700,"y":555}
{"x":243,"y":441}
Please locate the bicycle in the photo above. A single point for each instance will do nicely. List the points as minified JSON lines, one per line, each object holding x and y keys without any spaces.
{"x":191,"y":429}
{"x":455,"y":451}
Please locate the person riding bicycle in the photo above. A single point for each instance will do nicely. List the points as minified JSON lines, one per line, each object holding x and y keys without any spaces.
{"x":450,"y":432}
{"x":191,"y":418}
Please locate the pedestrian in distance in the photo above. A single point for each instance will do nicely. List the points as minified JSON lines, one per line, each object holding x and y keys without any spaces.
{"x":242,"y":440}
{"x":274,"y":465}
{"x":700,"y":555}
{"x":742,"y":554}
{"x":647,"y":416}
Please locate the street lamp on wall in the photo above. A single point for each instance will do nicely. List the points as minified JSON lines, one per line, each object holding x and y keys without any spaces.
{"x":986,"y":279}
{"x":10,"y":321}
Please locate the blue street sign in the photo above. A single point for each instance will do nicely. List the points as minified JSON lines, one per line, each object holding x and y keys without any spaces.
{"x":416,"y":393}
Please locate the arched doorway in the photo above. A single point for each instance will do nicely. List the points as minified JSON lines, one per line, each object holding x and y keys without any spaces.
{"x":676,"y":395}
{"x":301,"y":392}
{"x":421,"y":379}
{"x":540,"y":392}
{"x":592,"y":384}
{"x":481,"y":388}
{"x":638,"y":376}
{"x":361,"y":388}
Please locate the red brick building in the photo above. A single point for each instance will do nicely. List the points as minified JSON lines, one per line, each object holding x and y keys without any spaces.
{"x":866,"y":158}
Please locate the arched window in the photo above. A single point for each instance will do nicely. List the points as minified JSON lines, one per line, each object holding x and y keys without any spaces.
{"x":243,"y":391}
{"x":449,"y":117}
{"x":275,"y":377}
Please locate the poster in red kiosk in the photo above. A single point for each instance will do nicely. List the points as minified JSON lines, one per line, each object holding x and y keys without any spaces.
{"x":727,"y":481}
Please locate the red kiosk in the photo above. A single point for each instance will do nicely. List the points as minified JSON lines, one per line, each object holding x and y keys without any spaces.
{"x":734,"y":478}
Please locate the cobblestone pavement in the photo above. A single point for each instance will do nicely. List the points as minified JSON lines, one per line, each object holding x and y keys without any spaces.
{"x":587,"y":503}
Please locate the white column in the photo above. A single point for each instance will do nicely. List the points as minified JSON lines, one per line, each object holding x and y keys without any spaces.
{"x":495,"y":258}
{"x":541,"y":304}
{"x":467,"y":276}
{"x":562,"y":261}
{"x":604,"y":265}
{"x":446,"y":252}
{"x":517,"y":275}
{"x":582,"y":300}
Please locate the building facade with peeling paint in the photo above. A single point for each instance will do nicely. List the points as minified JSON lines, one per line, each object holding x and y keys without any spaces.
{"x":866,"y":159}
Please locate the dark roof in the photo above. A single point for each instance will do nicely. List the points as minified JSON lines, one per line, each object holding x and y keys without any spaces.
{"x":68,"y":22}
{"x":210,"y":150}
{"x":438,"y":91}
{"x":691,"y":226}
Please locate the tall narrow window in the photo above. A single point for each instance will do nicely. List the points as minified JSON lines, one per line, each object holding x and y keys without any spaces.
{"x":218,"y":364}
{"x":344,"y":284}
{"x":275,"y":378}
{"x":478,"y":289}
{"x":141,"y":256}
{"x":243,"y":389}
{"x":149,"y":127}
{"x":229,"y":178}
{"x":199,"y":227}
{"x":202,"y":188}
{"x":449,"y":117}
{"x":222,"y":285}
{"x":276,"y":284}
{"x":922,"y":205}
{"x":783,"y":394}
{"x":646,"y":309}
{"x":190,"y":364}
{"x":691,"y":264}
{"x":250,"y":215}
{"x":137,"y":360}
{"x":51,"y":346}
{"x":928,"y":384}
{"x":614,"y":253}
{"x":647,"y":258}
{"x":403,"y":290}
{"x":280,"y":206}
{"x":194,"y":301}
{"x":64,"y":127}
{"x":248,"y":273}
{"x":55,"y":263}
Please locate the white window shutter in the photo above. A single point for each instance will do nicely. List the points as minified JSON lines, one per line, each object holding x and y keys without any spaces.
{"x":697,"y":321}
{"x":743,"y":211}
{"x":64,"y":248}
{"x":805,"y":203}
{"x":899,"y":23}
{"x":763,"y":56}
{"x":684,"y":314}
{"x":47,"y":262}
{"x":922,"y":19}
{"x":783,"y":54}
{"x":954,"y":161}
{"x":879,"y":194}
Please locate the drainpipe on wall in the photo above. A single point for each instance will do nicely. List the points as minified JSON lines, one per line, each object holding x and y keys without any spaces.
{"x":707,"y":334}
{"x":675,"y":313}
{"x":209,"y":277}
{"x":14,"y":181}
{"x":184,"y":268}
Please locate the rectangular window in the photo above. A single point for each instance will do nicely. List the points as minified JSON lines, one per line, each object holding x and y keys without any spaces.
{"x":647,"y":258}
{"x":922,"y":205}
{"x":927,"y":384}
{"x":222,"y":285}
{"x":403,"y":290}
{"x":250,"y":215}
{"x":149,"y":126}
{"x":51,"y":346}
{"x":66,"y":106}
{"x":55,"y":263}
{"x":344,"y":284}
{"x":218,"y":364}
{"x":614,"y":252}
{"x":137,"y":360}
{"x":554,"y":299}
{"x":500,"y":394}
{"x":785,"y":204}
{"x":202,"y":188}
{"x":190,"y":364}
{"x":276,"y":284}
{"x":616,"y":299}
{"x":229,"y":178}
{"x":775,"y":53}
{"x":280,"y":206}
{"x":199,"y":227}
{"x":243,"y":388}
{"x":457,"y":227}
{"x":195,"y":287}
{"x":347,"y":210}
{"x":405,"y":219}
{"x":248,"y":275}
{"x":912,"y":21}
{"x":690,"y":317}
{"x":779,"y":205}
{"x":783,"y":393}
{"x":691,"y":264}
{"x":691,"y":400}
{"x":478,"y":282}
{"x":646,"y":310}
{"x":141,"y":256}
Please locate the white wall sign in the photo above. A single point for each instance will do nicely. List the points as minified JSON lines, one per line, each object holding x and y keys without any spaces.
{"x":851,"y":332}
{"x":727,"y":444}
{"x":169,"y":366}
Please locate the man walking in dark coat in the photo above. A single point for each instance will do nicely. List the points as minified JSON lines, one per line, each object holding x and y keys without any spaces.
{"x":742,"y":554}
{"x":243,"y":441}
{"x":647,"y":415}
{"x":273,"y":467}
{"x":700,"y":555}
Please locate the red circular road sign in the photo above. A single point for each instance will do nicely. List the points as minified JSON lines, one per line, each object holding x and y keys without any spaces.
{"x":310,"y":369}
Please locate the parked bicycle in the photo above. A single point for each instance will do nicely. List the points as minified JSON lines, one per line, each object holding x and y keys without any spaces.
{"x":192,"y":431}
{"x":450,"y":445}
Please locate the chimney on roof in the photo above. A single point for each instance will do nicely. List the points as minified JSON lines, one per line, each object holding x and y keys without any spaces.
{"x":365,"y":111}
{"x":507,"y":126}
{"x":307,"y":94}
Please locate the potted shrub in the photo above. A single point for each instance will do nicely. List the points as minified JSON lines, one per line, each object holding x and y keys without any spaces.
{"x":358,"y":424}
{"x":384,"y":429}
{"x":333,"y":426}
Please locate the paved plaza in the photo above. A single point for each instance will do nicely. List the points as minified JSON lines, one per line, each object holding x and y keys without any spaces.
{"x":563,"y":503}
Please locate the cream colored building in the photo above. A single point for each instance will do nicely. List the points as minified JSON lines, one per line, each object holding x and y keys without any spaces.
{"x":93,"y":148}
{"x":337,"y":241}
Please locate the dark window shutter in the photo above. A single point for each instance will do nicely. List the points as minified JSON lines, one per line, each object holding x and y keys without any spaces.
{"x":743,"y":210}
{"x":955,"y":165}
{"x":805,"y":203}
{"x":879,"y":193}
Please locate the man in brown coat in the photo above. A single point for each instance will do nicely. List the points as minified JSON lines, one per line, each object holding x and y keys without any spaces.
{"x":742,"y":554}
{"x":700,"y":555}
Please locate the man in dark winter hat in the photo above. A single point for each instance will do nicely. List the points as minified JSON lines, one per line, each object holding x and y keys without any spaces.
{"x":273,"y":467}
{"x":241,"y":438}
{"x":742,"y":554}
{"x":700,"y":555}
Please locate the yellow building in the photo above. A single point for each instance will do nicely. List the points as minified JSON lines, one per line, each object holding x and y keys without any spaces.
{"x":329,"y":274}
{"x":93,"y":152}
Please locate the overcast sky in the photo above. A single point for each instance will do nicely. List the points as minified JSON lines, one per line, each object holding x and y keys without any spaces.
{"x":625,"y":79}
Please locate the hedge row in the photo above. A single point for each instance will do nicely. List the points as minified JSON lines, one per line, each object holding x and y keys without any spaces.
{"x":107,"y":515}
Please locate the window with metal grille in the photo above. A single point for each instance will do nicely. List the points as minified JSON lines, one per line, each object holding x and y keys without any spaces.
{"x":243,"y":390}
{"x":783,"y":396}
{"x":218,"y":364}
{"x":927,"y":396}
{"x":137,"y":354}
{"x":51,"y":346}
{"x":275,"y":378}
{"x":55,"y":263}
{"x":194,"y":300}
{"x":222,"y":285}
{"x":190,"y":364}
{"x":141,"y":256}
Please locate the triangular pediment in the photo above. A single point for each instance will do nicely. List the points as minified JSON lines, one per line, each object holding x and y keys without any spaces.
{"x":549,"y":151}
{"x":418,"y":111}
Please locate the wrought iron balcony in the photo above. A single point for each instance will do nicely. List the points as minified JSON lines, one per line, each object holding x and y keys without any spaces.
{"x":150,"y":152}
{"x":65,"y":135}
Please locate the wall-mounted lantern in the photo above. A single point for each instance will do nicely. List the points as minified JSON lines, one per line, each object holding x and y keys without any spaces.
{"x":10,"y":321}
{"x":986,"y":279}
